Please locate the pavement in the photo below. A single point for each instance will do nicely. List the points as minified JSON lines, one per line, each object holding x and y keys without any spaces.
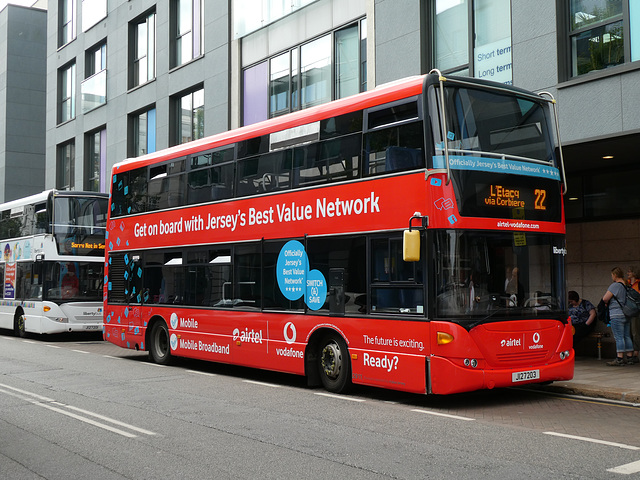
{"x":593,"y":378}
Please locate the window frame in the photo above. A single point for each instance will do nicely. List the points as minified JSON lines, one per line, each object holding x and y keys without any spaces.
{"x":196,"y":30}
{"x":65,"y":177}
{"x":91,"y":179}
{"x":295,"y":75}
{"x":67,"y":92}
{"x":149,"y":20}
{"x":565,"y":34}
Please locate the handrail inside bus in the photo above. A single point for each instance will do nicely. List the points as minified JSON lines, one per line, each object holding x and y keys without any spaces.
{"x":555,"y":114}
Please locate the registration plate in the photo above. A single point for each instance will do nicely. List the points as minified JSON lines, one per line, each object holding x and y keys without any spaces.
{"x":524,"y":376}
{"x":92,"y":327}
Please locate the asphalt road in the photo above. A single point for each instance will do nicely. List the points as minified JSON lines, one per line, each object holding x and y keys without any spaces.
{"x":77,"y":407}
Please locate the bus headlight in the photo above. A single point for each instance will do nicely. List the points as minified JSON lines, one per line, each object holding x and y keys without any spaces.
{"x":564,"y":354}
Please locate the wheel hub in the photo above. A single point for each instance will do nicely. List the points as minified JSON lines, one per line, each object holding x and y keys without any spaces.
{"x":331,"y":360}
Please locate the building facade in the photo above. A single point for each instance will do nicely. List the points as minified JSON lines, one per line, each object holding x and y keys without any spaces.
{"x":23,"y":45}
{"x":125,"y":78}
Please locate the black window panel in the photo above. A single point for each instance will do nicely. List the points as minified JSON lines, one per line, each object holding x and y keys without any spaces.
{"x":396,"y":113}
{"x":346,"y":255}
{"x":394,"y":149}
{"x":396,"y":285}
{"x":263,"y":174}
{"x":330,"y":160}
{"x":341,"y":125}
{"x":272,"y":295}
{"x":247,"y":278}
{"x":253,"y":146}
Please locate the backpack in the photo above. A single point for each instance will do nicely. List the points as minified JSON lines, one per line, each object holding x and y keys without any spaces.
{"x":631,"y":307}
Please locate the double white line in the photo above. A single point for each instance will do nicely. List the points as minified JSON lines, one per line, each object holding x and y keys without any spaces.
{"x":68,"y":410}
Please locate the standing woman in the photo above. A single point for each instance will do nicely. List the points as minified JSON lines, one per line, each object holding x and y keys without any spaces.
{"x":616,"y":297}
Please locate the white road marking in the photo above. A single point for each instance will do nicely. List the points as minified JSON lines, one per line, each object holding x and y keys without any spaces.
{"x":52,"y":346}
{"x":264,"y":384}
{"x":593,"y":440}
{"x":340,"y":397}
{"x":628,"y":469}
{"x":202,"y":373}
{"x":438,"y":414}
{"x":79,"y":351}
{"x":87,"y":420}
{"x":62,"y":408}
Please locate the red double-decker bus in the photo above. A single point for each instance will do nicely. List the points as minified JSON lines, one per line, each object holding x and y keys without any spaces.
{"x":410,"y":237}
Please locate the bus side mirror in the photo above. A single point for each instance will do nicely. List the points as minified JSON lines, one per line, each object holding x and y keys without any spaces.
{"x":411,"y":246}
{"x":411,"y":239}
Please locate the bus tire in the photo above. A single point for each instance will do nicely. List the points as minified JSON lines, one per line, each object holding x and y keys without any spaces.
{"x":18,"y":325}
{"x":334,"y":363}
{"x":159,"y":346}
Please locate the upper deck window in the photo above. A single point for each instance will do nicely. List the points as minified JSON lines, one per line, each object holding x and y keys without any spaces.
{"x":480,"y":121}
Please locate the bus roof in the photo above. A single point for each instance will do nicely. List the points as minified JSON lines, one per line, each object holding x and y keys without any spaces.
{"x":42,"y":196}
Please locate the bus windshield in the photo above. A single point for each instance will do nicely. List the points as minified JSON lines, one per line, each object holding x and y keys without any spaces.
{"x":79,"y":225}
{"x":73,"y":281}
{"x":488,"y":122}
{"x":486,"y":276}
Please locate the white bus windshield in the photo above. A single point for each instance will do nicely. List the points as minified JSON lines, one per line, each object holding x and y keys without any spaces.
{"x":79,"y":225}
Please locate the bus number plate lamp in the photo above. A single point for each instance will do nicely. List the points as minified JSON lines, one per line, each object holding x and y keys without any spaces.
{"x":411,"y":238}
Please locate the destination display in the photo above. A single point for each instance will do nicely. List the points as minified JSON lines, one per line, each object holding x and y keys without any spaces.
{"x":499,"y":196}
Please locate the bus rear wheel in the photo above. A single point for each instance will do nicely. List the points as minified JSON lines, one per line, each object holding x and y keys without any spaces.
{"x":159,"y":347}
{"x":18,"y":325}
{"x":334,"y":364}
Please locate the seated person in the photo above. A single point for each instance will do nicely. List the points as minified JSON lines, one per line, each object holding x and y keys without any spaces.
{"x":583,"y":316}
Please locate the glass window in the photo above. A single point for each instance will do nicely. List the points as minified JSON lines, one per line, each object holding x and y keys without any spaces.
{"x":166,"y":186}
{"x":95,"y":60}
{"x":347,"y":62}
{"x":92,"y":12}
{"x":394,"y":149}
{"x":67,"y":93}
{"x":143,"y":50}
{"x":343,"y":263}
{"x":142,"y":133}
{"x":485,"y":276}
{"x":488,"y":24}
{"x":255,"y":106}
{"x":279,"y":86}
{"x":396,"y":285}
{"x":67,"y":21}
{"x":66,"y":166}
{"x":494,"y":123}
{"x":272,"y":295}
{"x":94,"y":87}
{"x":315,"y":72}
{"x":211,"y":176}
{"x":190,"y":116}
{"x":451,"y":34}
{"x":187,"y":30}
{"x":247,"y":276}
{"x":597,"y":34}
{"x":266,"y":173}
{"x":330,"y":67}
{"x":96,"y":165}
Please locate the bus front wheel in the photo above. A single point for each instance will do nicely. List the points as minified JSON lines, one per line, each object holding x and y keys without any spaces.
{"x":18,"y":325}
{"x":334,"y":364}
{"x":159,"y":347}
